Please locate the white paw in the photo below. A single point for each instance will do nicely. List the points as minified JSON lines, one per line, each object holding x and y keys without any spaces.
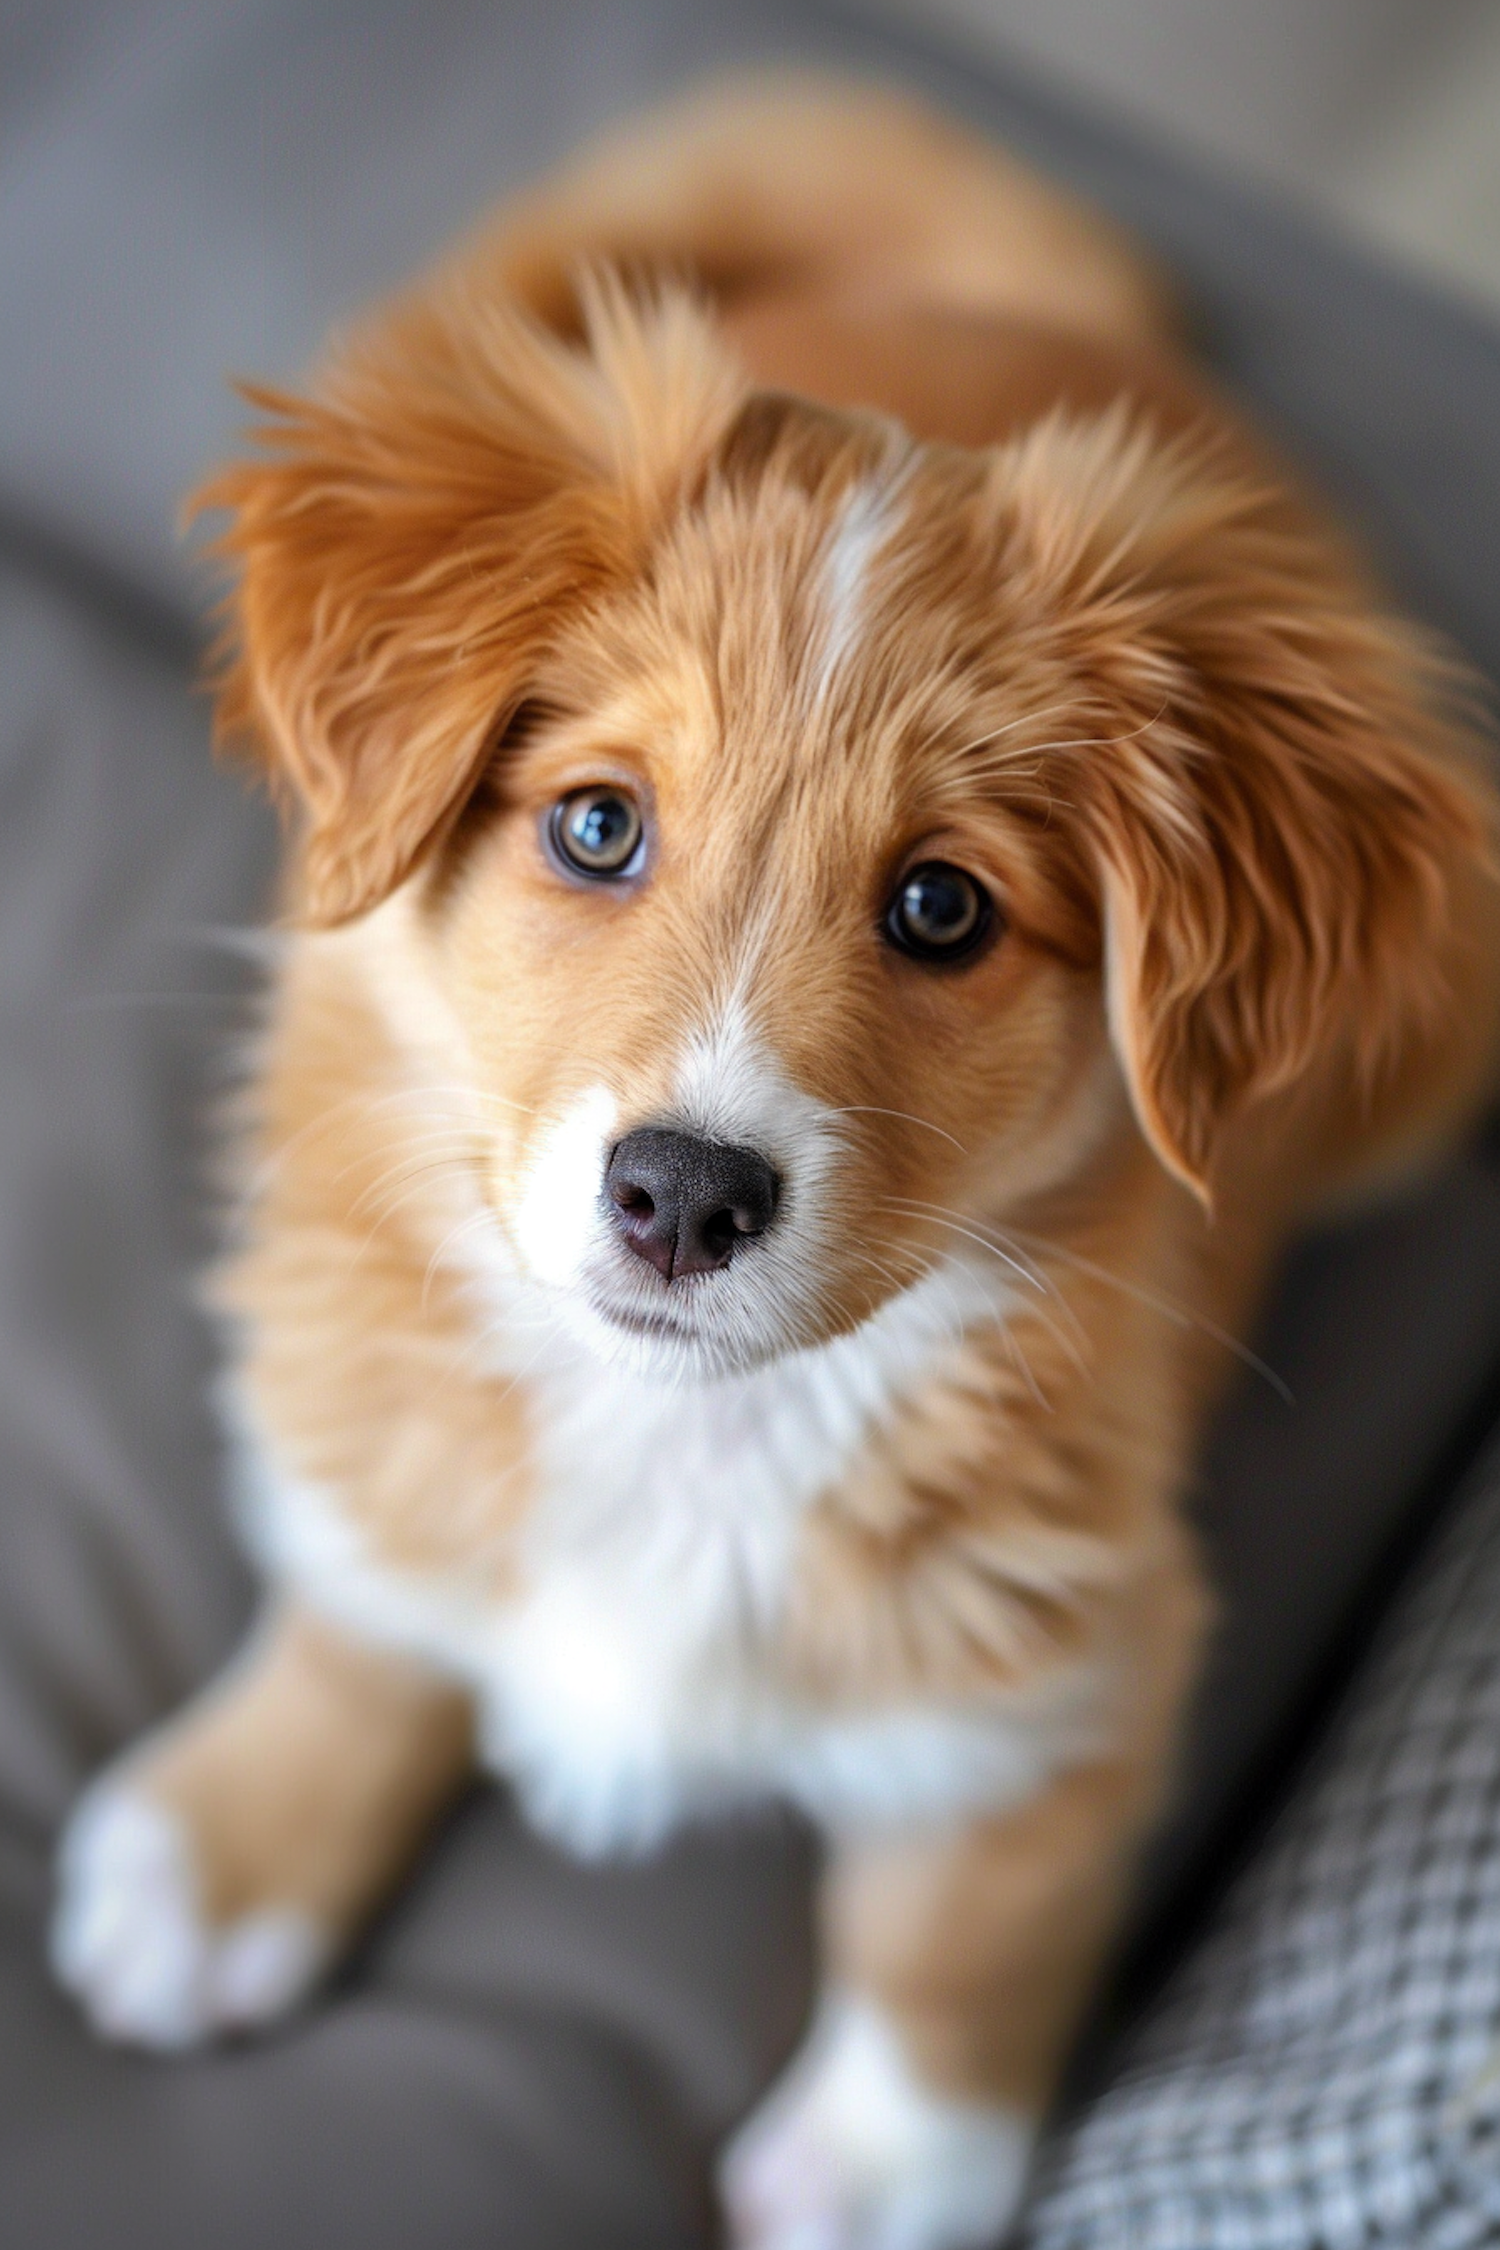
{"x":130,"y":1942}
{"x":849,"y":2152}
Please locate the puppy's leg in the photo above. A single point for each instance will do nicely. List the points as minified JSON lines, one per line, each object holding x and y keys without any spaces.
{"x":959,"y":1962}
{"x":207,"y":1879}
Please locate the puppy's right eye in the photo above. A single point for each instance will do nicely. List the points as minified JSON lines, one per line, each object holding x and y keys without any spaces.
{"x":598,"y":832}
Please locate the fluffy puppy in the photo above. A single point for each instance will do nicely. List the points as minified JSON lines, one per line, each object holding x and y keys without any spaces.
{"x":860,"y":858}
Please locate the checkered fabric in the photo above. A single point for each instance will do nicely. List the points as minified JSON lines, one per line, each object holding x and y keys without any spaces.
{"x":1324,"y":2074}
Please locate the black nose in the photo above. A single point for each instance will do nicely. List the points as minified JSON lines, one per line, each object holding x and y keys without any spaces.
{"x":684,"y":1204}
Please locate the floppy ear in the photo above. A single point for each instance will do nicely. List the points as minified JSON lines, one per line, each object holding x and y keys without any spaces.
{"x":413,"y":536}
{"x":1292,"y":900}
{"x":1277,"y":821}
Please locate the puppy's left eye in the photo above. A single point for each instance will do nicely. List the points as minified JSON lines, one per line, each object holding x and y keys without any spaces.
{"x":597,"y":832}
{"x":938,"y":913}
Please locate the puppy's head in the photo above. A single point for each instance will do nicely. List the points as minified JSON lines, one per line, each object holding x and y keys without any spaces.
{"x":814,"y":847}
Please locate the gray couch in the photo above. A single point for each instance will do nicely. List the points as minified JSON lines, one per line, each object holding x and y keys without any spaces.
{"x":526,"y":2052}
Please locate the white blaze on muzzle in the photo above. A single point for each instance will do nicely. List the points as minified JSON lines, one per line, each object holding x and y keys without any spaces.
{"x":558,"y":1222}
{"x":727,"y":1089}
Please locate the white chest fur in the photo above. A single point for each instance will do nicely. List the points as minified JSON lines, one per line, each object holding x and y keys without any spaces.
{"x":628,"y":1682}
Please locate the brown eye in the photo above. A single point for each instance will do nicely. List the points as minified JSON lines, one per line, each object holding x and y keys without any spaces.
{"x":597,"y":832}
{"x":938,"y":913}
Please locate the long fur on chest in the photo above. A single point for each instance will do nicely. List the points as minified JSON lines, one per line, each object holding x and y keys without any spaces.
{"x":654,"y":1643}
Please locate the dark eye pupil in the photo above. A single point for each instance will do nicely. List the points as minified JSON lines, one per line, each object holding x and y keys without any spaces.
{"x":597,"y":830}
{"x":600,"y":826}
{"x":939,"y":911}
{"x":938,"y":906}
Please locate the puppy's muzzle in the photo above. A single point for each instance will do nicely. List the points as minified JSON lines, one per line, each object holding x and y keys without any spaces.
{"x":684,"y":1204}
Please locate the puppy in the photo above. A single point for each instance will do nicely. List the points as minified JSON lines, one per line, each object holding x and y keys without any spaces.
{"x":861,"y":857}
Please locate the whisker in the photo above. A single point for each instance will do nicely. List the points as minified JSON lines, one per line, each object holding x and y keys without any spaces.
{"x":474,"y":1221}
{"x":1074,"y":1346}
{"x":1024,"y":1368}
{"x":424,"y":1148}
{"x":1013,"y":1346}
{"x":1181,"y":1316}
{"x":370,"y":1106}
{"x":380,"y":1206}
{"x":461,"y":1362}
{"x":888,"y":1273}
{"x":941,"y":1213}
{"x":873,"y":1109}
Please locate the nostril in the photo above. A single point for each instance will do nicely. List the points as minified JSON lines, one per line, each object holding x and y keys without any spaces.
{"x":719,"y":1232}
{"x":633,"y":1199}
{"x":737,"y":1220}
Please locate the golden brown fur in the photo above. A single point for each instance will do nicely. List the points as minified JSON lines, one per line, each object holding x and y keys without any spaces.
{"x":564,"y":516}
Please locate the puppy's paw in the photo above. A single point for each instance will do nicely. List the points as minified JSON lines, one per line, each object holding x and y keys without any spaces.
{"x":131,"y":1941}
{"x":849,"y":2152}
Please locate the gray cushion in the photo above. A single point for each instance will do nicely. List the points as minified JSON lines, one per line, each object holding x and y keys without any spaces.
{"x":527,"y":2051}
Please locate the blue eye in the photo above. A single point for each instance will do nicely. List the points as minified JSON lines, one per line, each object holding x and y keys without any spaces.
{"x":597,"y":832}
{"x":938,"y":913}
